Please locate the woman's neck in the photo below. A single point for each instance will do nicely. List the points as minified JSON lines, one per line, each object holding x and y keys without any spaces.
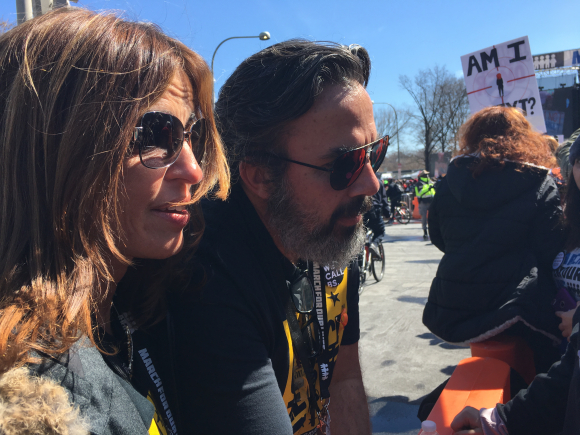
{"x":105,"y":304}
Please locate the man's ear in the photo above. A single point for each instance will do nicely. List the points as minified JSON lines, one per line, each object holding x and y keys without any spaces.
{"x":255,"y":179}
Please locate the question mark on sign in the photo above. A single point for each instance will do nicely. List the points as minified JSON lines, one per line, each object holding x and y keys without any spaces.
{"x":533,"y":101}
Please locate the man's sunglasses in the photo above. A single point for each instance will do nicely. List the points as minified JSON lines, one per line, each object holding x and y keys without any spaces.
{"x":348,"y":166}
{"x":302,"y":294}
{"x":160,"y":138}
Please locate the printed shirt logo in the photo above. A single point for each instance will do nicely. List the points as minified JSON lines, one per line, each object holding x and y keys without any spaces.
{"x":296,"y":393}
{"x":334,"y":298}
{"x":567,"y":273}
{"x":159,"y":385}
{"x":159,"y":425}
{"x":332,"y":276}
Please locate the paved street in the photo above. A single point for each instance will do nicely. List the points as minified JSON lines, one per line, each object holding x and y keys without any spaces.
{"x":401,"y":360}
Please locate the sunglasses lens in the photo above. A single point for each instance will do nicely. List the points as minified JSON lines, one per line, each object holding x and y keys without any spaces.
{"x":302,"y":295}
{"x":198,"y":132}
{"x":378,"y":152}
{"x":162,"y":139}
{"x":347,"y":168}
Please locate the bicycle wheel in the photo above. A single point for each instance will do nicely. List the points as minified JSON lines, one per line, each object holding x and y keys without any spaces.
{"x":362,"y":266}
{"x":378,"y":263}
{"x":405,"y":215}
{"x":399,"y":215}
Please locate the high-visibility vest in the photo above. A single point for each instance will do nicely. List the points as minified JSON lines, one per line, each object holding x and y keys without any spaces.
{"x":427,"y":189}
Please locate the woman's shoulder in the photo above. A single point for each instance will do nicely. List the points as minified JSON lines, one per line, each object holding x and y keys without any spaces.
{"x":108,"y":403}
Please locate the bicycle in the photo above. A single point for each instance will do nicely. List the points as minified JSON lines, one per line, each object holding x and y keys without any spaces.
{"x":402,"y":214}
{"x":371,"y":260}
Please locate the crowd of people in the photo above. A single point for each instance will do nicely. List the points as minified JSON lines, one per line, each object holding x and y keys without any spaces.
{"x":170,"y":266}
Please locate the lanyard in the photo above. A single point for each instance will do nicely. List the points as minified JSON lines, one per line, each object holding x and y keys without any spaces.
{"x":323,"y":359}
{"x":300,"y":347}
{"x":153,"y":370}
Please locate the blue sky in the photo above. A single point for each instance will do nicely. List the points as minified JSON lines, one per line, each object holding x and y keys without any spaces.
{"x":402,"y":37}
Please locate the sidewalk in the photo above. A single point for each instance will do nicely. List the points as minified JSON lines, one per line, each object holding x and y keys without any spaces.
{"x":401,"y":360}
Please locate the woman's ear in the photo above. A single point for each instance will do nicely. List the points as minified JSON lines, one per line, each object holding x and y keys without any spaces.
{"x":255,"y":179}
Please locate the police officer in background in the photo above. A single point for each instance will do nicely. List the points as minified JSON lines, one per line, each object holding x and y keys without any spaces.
{"x":425,"y":192}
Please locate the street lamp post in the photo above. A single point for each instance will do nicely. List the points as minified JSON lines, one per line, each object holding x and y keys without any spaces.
{"x":398,"y":148}
{"x":264,"y":36}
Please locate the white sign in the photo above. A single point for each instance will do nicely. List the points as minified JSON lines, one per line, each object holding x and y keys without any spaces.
{"x":503,"y":75}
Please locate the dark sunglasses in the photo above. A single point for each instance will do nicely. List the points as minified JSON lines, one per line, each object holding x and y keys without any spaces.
{"x":348,"y":166}
{"x":302,"y":293}
{"x":160,"y":139}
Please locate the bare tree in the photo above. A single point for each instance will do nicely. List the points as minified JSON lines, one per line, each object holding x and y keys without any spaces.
{"x":386,"y":121}
{"x":462,"y":115}
{"x":410,"y":159}
{"x":454,"y":113}
{"x":439,"y":98}
{"x":5,"y":25}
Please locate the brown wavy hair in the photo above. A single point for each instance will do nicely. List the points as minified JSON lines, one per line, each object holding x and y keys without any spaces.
{"x":496,"y":134}
{"x":73,"y":85}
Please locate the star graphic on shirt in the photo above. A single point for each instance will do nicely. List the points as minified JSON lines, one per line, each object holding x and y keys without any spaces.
{"x":334,"y":298}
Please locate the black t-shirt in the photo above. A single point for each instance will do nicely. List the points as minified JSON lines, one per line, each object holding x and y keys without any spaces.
{"x":147,"y":363}
{"x":234,"y":360}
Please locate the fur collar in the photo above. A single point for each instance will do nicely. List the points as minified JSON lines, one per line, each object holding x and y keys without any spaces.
{"x":31,"y":405}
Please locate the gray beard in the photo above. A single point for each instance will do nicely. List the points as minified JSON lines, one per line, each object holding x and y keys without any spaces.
{"x":303,"y":234}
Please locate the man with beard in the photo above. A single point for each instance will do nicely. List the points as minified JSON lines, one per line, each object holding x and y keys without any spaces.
{"x":259,"y":340}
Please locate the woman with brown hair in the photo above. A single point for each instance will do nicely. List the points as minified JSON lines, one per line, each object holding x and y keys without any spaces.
{"x":495,"y":216}
{"x":107,"y":142}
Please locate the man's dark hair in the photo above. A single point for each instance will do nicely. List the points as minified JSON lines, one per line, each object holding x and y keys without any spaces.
{"x":277,"y":85}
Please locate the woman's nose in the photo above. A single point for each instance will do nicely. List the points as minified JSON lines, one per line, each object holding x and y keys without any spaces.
{"x":186,"y":167}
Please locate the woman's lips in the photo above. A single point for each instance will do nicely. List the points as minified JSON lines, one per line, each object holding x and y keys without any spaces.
{"x":179,"y":219}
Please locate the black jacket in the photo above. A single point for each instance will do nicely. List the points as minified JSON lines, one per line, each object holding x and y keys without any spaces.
{"x":500,"y":234}
{"x":550,"y":404}
{"x":394,"y":191}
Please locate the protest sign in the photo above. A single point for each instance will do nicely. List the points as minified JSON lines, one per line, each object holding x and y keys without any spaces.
{"x":503,"y":75}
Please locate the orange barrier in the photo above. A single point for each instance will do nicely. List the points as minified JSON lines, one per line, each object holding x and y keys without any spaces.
{"x":514,"y":351}
{"x":477,"y":382}
{"x":416,"y":214}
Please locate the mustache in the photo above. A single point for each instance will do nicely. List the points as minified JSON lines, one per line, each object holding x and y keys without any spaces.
{"x":359,"y":205}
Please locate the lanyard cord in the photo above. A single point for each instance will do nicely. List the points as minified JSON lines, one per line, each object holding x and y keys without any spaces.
{"x":300,"y":348}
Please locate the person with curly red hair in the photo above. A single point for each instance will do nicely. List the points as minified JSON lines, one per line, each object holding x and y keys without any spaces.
{"x":496,"y":218}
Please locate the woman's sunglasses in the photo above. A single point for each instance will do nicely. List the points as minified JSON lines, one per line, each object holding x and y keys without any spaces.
{"x":348,"y":166}
{"x":160,"y":139}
